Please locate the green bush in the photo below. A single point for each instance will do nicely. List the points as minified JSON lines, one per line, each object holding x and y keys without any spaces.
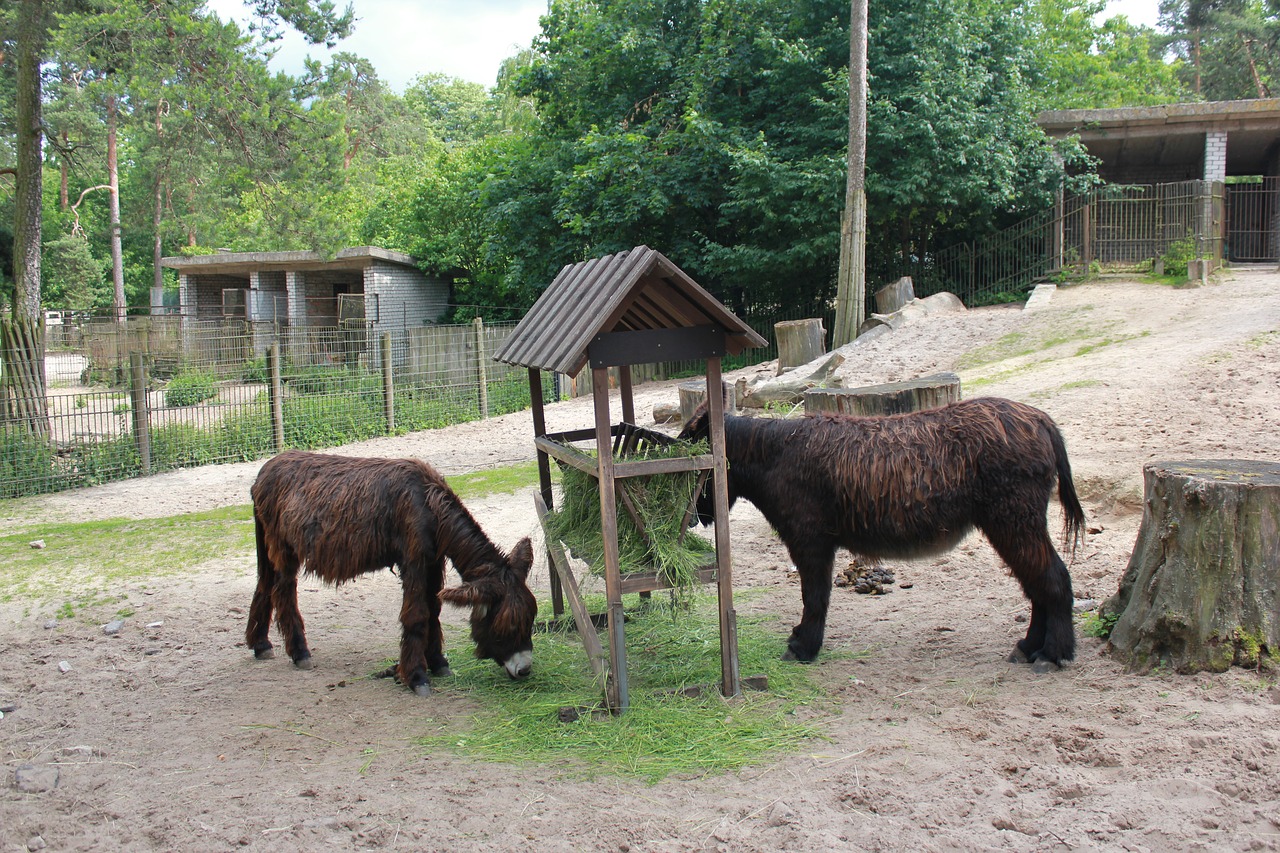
{"x":190,"y":387}
{"x":26,"y":464}
{"x":1178,"y":256}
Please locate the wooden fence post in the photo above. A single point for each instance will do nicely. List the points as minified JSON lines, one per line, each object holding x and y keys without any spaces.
{"x":388,"y":384}
{"x":277,"y":397}
{"x":481,"y":372}
{"x":141,"y":409}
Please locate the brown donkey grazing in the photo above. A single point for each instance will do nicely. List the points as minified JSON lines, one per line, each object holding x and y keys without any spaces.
{"x":911,"y":485}
{"x":339,"y":517}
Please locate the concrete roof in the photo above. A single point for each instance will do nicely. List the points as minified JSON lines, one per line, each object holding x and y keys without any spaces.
{"x":1174,"y":133}
{"x":353,"y":258}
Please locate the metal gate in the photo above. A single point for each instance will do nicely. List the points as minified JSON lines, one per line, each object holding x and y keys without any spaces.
{"x":1253,"y":221}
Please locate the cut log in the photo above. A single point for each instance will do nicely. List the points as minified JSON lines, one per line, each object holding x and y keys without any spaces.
{"x":791,"y":386}
{"x":693,"y":393}
{"x":938,"y":303}
{"x":893,"y":398}
{"x":799,"y":342}
{"x":891,"y":297}
{"x":1202,"y":588}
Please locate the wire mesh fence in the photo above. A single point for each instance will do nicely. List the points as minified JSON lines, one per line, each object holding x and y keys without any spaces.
{"x":155,"y":394}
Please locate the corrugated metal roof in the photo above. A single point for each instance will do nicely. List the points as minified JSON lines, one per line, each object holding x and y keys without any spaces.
{"x":636,"y":290}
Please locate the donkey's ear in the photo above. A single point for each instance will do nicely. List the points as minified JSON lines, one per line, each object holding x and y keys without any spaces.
{"x":522,"y":557}
{"x":476,"y":594}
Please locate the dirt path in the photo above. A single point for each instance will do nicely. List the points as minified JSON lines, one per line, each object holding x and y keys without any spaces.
{"x":169,"y":737}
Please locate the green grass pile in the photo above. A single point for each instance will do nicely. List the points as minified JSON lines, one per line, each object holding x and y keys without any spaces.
{"x":660,"y":501}
{"x":664,"y":732}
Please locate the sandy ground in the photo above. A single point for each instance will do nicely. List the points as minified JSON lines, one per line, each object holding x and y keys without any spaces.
{"x":170,"y":737}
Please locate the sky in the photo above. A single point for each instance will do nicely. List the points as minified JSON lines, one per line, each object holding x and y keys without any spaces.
{"x":468,"y":39}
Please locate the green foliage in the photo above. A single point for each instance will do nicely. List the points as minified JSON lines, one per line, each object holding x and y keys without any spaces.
{"x":664,"y":732}
{"x":190,"y":386}
{"x":71,"y":277}
{"x":26,"y":462}
{"x":1098,"y":624}
{"x":1228,"y":48}
{"x":1178,"y":257}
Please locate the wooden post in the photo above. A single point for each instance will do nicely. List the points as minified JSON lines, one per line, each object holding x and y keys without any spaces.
{"x":277,"y":397}
{"x":729,"y":674}
{"x":626,"y":392}
{"x":616,"y":689}
{"x":799,"y":342}
{"x":1200,"y":591}
{"x":544,"y":478}
{"x":388,"y":385}
{"x":482,"y":374}
{"x":141,"y":409}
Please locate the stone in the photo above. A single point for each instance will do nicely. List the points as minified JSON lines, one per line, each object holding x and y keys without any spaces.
{"x":31,"y":779}
{"x":113,"y":627}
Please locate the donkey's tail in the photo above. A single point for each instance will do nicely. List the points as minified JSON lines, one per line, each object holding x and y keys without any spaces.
{"x":1073,"y":513}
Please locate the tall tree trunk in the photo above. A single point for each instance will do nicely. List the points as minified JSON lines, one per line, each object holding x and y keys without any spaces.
{"x":22,"y":336}
{"x":157,"y":245}
{"x":851,"y":279}
{"x":157,"y":251}
{"x":117,"y":254}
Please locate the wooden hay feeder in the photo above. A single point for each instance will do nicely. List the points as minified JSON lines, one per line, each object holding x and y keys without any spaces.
{"x":634,"y":307}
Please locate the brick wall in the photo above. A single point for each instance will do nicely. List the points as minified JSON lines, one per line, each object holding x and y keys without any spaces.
{"x":1215,"y":155}
{"x":406,"y":298}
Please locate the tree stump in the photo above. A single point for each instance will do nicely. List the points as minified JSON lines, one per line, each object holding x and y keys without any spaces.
{"x":894,"y":398}
{"x":892,"y":297}
{"x":1201,"y":588}
{"x":693,"y":393}
{"x":799,"y":342}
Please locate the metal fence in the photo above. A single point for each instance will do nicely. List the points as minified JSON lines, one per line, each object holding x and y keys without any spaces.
{"x":1113,"y":227}
{"x":1253,"y":221}
{"x":156,"y":394}
{"x":159,"y":393}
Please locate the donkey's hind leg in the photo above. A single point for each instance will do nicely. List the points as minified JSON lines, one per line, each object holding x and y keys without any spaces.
{"x":255,"y":635}
{"x":284,"y":596}
{"x":1050,"y":639}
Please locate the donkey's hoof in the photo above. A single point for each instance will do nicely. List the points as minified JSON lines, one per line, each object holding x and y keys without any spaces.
{"x":1018,"y":656}
{"x":441,"y":672}
{"x":1044,"y":665}
{"x":264,"y":654}
{"x":423,"y":689}
{"x":304,"y":663}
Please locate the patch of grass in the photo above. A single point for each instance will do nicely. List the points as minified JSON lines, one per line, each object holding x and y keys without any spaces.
{"x":1085,"y":349}
{"x":1262,"y":340}
{"x":1095,"y":624}
{"x":497,"y":481}
{"x":663,"y":733}
{"x":91,"y":558}
{"x":1082,"y":383}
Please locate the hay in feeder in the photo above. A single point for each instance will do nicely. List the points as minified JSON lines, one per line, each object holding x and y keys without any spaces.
{"x":660,"y":500}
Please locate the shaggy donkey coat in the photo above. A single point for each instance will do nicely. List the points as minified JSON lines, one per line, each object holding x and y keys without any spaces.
{"x":911,"y":485}
{"x":339,"y":517}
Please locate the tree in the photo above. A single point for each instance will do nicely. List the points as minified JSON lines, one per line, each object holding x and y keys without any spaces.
{"x":1079,"y":64}
{"x":22,"y":333}
{"x":1230,"y":48}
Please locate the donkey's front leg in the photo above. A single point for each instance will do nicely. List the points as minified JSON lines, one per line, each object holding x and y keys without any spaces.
{"x":416,"y":632}
{"x":813,"y":561}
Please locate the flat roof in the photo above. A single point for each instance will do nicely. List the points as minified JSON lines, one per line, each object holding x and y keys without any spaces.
{"x":352,"y":258}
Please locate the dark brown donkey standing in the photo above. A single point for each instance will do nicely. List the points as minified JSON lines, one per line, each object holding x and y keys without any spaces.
{"x":911,"y":485}
{"x":339,"y":517}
